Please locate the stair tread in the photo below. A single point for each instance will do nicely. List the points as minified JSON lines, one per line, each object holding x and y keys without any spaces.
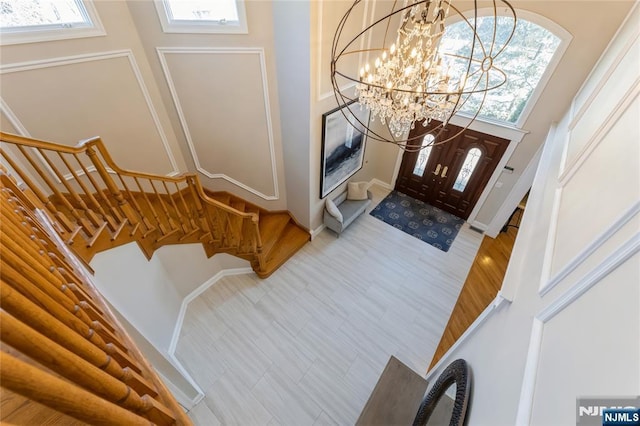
{"x":290,"y":241}
{"x":271,"y":226}
{"x":281,"y":236}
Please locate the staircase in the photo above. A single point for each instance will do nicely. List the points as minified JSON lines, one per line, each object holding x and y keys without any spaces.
{"x":95,"y":205}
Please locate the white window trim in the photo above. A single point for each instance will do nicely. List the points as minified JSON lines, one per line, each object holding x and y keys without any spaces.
{"x":195,"y":27}
{"x":47,"y":33}
{"x":546,"y":23}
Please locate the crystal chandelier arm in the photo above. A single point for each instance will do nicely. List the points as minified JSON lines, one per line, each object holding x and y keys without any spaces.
{"x":343,"y":21}
{"x":413,"y":80}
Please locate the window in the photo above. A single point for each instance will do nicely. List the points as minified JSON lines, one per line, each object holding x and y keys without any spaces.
{"x":27,"y":21}
{"x":202,"y":16}
{"x":525,"y":61}
{"x":469,"y":165}
{"x":423,"y":155}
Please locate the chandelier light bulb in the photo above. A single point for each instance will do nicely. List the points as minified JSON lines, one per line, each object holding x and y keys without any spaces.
{"x":415,"y":78}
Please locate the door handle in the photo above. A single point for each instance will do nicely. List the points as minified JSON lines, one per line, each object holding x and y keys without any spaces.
{"x":437,"y":171}
{"x":444,"y":171}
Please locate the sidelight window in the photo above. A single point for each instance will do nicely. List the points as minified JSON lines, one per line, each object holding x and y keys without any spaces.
{"x":423,"y":155}
{"x":469,"y":165}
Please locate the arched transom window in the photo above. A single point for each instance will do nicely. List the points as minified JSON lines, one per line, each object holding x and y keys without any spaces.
{"x":524,"y":61}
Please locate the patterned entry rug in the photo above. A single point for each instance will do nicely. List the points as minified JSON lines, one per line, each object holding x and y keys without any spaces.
{"x":418,"y":219}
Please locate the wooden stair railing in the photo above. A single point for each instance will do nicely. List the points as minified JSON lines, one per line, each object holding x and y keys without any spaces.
{"x":96,"y":205}
{"x":62,"y":348}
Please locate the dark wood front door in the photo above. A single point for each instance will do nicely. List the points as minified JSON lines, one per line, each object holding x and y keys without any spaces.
{"x":450,"y":176}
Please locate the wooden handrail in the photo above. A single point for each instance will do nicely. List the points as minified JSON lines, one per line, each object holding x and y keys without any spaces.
{"x":63,"y":396}
{"x":97,"y":142}
{"x":53,"y":317}
{"x":29,"y":313}
{"x":166,"y":213}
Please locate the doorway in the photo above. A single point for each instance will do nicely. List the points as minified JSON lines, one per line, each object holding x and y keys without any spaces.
{"x":452,"y":175}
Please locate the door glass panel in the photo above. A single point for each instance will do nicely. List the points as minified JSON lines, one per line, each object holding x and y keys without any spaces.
{"x":423,"y":156}
{"x":467,"y":169}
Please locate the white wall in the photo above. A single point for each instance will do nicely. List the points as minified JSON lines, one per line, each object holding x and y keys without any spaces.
{"x":149,"y":294}
{"x":140,"y":290}
{"x":187,"y":267}
{"x":293,"y":70}
{"x":221,"y":94}
{"x":69,"y":90}
{"x":573,"y":325}
{"x":151,"y":298}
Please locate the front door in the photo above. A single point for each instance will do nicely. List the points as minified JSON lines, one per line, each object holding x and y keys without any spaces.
{"x":452,"y":175}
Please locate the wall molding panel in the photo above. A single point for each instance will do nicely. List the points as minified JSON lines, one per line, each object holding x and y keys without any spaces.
{"x":578,"y":112}
{"x":584,"y":254}
{"x":572,"y":294}
{"x":15,"y":122}
{"x":163,"y":52}
{"x":78,"y":59}
{"x":599,"y":135}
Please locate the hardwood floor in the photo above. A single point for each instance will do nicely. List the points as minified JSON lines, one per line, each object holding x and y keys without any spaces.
{"x":308,"y":344}
{"x":480,"y":288}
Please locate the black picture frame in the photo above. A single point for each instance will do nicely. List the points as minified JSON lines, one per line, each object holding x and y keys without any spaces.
{"x":343,"y":145}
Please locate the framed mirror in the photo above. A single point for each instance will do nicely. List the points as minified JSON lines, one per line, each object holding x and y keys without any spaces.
{"x":446,"y":402}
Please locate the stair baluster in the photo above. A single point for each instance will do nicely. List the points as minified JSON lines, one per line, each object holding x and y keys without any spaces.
{"x":188,"y":214}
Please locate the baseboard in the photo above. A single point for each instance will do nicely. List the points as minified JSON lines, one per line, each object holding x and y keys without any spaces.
{"x":317,"y":231}
{"x":186,"y":402}
{"x":195,"y":293}
{"x":380,"y":183}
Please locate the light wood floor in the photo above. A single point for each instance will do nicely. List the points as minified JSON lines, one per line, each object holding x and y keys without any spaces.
{"x":480,"y":288}
{"x":306,"y":346}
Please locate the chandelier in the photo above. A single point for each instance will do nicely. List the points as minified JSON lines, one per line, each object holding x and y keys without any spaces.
{"x":414,"y":78}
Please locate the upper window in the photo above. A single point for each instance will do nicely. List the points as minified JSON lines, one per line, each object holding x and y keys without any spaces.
{"x":28,"y":21}
{"x":202,"y":16}
{"x":524,"y":61}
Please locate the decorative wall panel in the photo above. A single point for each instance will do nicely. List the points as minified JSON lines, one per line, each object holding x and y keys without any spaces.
{"x":222,"y":99}
{"x":69,"y":99}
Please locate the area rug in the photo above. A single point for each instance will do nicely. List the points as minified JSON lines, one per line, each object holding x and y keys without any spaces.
{"x":418,"y":219}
